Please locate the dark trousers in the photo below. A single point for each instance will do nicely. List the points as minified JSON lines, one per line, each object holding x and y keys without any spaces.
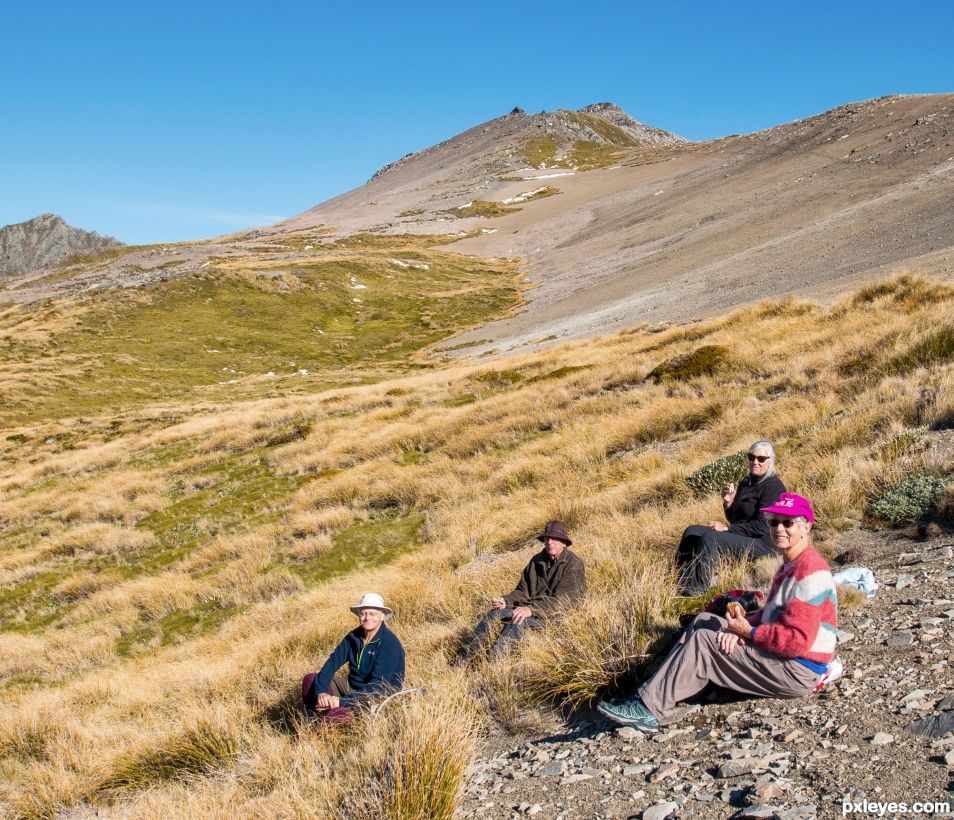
{"x":699,"y":552}
{"x":509,"y":635}
{"x":339,"y":687}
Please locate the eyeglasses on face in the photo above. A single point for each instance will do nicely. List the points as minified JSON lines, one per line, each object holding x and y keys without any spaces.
{"x":788,"y":523}
{"x":759,"y":459}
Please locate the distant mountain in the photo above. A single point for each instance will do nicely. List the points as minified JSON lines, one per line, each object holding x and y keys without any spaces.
{"x":44,"y":240}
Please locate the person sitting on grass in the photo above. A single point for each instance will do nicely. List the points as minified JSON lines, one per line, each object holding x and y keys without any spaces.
{"x":779,"y":651}
{"x":554,"y":576}
{"x":743,"y":534}
{"x":375,"y":661}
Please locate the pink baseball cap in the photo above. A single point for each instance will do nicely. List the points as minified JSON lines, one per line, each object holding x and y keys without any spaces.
{"x":792,"y":505}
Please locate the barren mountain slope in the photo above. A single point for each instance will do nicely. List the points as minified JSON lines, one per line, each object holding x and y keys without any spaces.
{"x":671,"y":233}
{"x":416,"y":192}
{"x":810,"y":208}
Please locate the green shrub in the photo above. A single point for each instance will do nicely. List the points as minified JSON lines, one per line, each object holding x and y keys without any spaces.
{"x":909,"y":500}
{"x":709,"y":479}
{"x":704,"y":361}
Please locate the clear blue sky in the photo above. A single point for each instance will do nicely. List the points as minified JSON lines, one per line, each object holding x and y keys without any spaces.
{"x":173,"y":120}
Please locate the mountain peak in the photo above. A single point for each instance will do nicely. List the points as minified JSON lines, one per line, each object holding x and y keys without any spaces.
{"x":44,"y":240}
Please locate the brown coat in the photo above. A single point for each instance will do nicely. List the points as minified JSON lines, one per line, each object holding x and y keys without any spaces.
{"x":545,"y":585}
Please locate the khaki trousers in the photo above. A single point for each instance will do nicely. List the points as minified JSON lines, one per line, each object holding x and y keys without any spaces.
{"x":697,"y":660}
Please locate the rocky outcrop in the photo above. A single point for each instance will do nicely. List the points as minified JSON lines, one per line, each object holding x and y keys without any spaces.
{"x":643,"y":134}
{"x":44,"y":240}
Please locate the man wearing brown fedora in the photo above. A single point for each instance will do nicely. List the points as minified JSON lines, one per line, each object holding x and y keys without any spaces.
{"x":554,"y":577}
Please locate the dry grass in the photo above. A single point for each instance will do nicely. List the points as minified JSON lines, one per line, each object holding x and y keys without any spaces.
{"x":167,"y":576}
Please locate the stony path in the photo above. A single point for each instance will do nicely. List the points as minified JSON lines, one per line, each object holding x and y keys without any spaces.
{"x":855,"y":741}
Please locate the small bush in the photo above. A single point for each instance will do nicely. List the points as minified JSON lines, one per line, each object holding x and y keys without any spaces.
{"x":709,"y":479}
{"x":909,"y":500}
{"x":704,"y":361}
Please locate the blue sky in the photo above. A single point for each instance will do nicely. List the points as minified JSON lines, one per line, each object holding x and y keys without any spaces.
{"x":170,"y":121}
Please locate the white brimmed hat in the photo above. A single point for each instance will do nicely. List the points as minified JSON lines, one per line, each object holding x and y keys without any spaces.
{"x":371,"y":600}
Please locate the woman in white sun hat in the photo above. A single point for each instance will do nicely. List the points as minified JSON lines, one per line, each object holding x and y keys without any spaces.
{"x":375,"y":661}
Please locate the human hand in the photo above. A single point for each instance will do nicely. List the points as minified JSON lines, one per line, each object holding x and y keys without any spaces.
{"x":737,"y":624}
{"x":326,"y":701}
{"x":520,"y":614}
{"x":728,"y":641}
{"x":728,"y":493}
{"x":718,"y":526}
{"x":498,"y":603}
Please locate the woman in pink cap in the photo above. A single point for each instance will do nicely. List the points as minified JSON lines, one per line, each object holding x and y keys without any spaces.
{"x":780,"y":651}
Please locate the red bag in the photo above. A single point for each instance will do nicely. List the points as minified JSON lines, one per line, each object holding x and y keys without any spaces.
{"x":751,"y":600}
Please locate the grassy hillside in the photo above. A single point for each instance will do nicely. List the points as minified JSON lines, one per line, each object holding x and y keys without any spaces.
{"x":244,"y":327}
{"x":170,"y":571}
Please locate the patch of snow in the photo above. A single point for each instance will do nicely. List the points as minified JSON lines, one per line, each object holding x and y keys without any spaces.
{"x":212,"y":350}
{"x":658,"y":193}
{"x":550,"y":176}
{"x":510,"y":200}
{"x":308,"y":247}
{"x":270,"y":374}
{"x":355,"y":299}
{"x":417,"y":265}
{"x":303,"y":372}
{"x":467,"y":205}
{"x":488,"y":230}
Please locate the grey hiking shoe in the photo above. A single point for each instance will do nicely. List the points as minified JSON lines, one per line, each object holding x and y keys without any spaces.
{"x":630,"y":712}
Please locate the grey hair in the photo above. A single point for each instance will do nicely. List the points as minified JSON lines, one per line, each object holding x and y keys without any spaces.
{"x":765,"y":444}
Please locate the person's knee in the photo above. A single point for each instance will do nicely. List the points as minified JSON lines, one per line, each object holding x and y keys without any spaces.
{"x":707,"y":622}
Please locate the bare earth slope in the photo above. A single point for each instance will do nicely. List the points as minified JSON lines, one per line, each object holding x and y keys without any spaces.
{"x":675,"y":232}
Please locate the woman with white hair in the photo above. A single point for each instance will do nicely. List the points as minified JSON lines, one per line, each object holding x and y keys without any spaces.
{"x":744,"y":533}
{"x":375,"y":661}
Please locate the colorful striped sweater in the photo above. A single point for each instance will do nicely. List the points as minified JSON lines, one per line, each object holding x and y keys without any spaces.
{"x":800,"y":617}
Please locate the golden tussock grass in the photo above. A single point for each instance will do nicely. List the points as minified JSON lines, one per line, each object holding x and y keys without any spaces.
{"x":172,"y":572}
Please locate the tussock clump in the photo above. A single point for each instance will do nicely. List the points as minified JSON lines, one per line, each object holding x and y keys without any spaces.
{"x":196,"y":751}
{"x":101,"y":539}
{"x":413,"y":756}
{"x":710,"y":478}
{"x":936,"y":348}
{"x":707,"y":360}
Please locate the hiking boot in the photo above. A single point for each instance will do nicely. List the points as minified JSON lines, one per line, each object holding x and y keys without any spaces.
{"x":630,"y":712}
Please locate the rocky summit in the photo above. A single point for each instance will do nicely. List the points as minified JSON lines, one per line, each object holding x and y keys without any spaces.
{"x":45,"y":240}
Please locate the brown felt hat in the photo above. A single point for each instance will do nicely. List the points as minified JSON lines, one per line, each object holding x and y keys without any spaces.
{"x":555,"y":529}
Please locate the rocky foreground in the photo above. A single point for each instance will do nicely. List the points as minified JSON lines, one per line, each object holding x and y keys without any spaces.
{"x":882,"y":734}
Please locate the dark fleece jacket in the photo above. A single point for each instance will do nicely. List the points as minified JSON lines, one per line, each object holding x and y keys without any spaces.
{"x":744,"y":514}
{"x":544,"y":584}
{"x":374,"y":668}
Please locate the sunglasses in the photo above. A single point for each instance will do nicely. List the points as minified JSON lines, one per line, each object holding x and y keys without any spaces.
{"x":759,"y":459}
{"x":788,"y":523}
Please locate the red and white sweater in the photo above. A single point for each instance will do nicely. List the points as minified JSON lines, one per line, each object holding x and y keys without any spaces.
{"x":800,"y":617}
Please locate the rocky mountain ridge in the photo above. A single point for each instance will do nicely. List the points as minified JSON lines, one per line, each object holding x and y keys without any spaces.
{"x":45,"y":240}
